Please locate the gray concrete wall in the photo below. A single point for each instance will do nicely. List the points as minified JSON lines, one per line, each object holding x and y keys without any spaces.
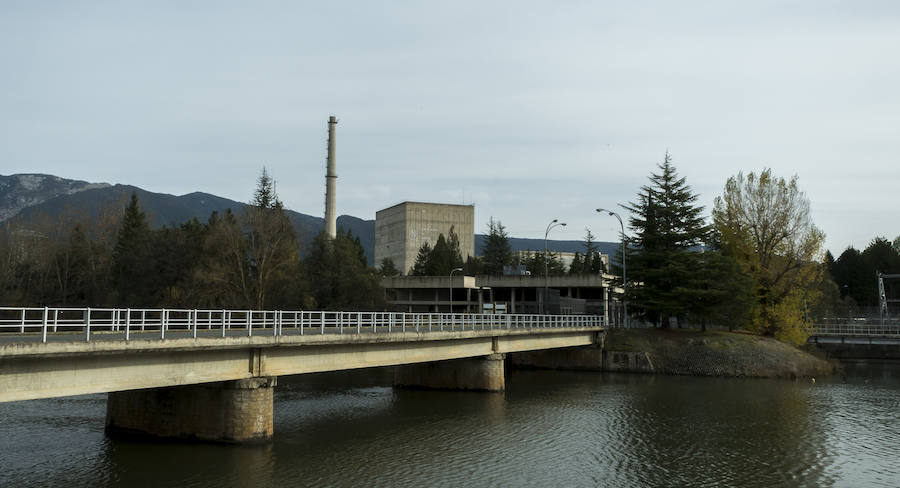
{"x":480,"y":374}
{"x":232,"y":411}
{"x":402,"y":229}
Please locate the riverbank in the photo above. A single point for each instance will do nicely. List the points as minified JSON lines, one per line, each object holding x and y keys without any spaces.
{"x":711,"y":353}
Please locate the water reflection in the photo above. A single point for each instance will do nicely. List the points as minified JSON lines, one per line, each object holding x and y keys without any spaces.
{"x":548,"y":428}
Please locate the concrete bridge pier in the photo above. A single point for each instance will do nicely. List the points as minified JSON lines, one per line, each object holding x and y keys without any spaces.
{"x":237,"y":411}
{"x":483,"y":373}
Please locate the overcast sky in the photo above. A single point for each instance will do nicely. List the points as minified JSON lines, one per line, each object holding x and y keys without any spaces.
{"x":530,"y":110}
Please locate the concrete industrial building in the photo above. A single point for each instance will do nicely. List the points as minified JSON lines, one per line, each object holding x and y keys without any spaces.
{"x":582,"y":294}
{"x":402,"y":229}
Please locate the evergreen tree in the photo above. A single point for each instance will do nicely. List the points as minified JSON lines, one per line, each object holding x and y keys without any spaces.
{"x":338,"y":277}
{"x":456,"y":260}
{"x":420,"y":266}
{"x":497,"y":251}
{"x":440,"y":261}
{"x":666,"y":224}
{"x":577,"y":266}
{"x":590,"y":253}
{"x":388,"y":268}
{"x":132,"y":264}
{"x":271,"y":246}
{"x":473,"y":266}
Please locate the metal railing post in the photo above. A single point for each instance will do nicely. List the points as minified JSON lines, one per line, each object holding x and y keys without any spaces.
{"x":87,"y":324}
{"x":44,"y":327}
{"x":127,"y":324}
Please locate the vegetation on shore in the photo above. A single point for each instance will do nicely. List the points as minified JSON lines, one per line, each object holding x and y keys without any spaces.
{"x":717,"y":353}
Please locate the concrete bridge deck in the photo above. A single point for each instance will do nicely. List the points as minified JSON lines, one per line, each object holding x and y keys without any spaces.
{"x":42,"y":370}
{"x":210,"y":374}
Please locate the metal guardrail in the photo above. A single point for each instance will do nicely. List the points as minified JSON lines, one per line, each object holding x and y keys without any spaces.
{"x":857,"y":329}
{"x":156,"y":323}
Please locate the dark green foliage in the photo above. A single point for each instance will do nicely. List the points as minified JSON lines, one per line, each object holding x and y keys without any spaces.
{"x":666,"y":224}
{"x":854,"y":271}
{"x":338,"y":276}
{"x":440,"y":260}
{"x":388,"y":268}
{"x":249,"y":260}
{"x":534,"y":262}
{"x":590,"y":262}
{"x":420,"y":266}
{"x":133,"y":267}
{"x":577,"y":266}
{"x":473,"y":266}
{"x":497,"y":251}
{"x":721,"y":291}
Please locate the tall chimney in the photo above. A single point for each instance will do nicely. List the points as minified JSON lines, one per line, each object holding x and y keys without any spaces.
{"x":331,"y":184}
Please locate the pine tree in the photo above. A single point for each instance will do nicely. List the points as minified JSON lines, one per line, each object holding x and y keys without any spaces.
{"x":456,"y":260}
{"x":388,"y":268}
{"x":577,"y":266}
{"x":497,"y":251}
{"x":666,"y":224}
{"x":419,"y":267}
{"x":132,"y":266}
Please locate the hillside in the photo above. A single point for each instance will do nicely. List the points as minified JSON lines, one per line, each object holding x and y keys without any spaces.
{"x":31,"y":197}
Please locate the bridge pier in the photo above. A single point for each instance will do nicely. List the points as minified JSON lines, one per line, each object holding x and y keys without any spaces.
{"x":483,"y":373}
{"x":230,"y":411}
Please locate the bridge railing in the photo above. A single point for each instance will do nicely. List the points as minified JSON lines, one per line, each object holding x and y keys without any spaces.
{"x":869,"y":329}
{"x":124,"y":324}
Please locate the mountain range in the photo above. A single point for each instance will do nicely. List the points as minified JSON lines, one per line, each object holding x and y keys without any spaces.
{"x":26,"y":197}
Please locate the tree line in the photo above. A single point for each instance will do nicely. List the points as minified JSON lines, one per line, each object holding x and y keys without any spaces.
{"x":445,"y":257}
{"x":757,"y":265}
{"x":249,"y":259}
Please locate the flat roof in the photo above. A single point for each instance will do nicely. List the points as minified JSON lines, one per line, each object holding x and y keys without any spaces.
{"x":426,"y":203}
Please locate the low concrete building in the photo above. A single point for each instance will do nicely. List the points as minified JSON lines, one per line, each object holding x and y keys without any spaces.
{"x":584,"y":294}
{"x":402,"y":229}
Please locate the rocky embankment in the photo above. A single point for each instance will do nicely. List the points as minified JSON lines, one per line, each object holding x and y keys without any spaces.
{"x":712,"y":353}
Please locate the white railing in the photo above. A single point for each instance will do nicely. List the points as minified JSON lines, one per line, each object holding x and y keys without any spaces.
{"x":857,"y":329}
{"x":128,"y":323}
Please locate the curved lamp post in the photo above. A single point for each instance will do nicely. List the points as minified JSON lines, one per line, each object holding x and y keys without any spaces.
{"x":451,"y":290}
{"x":624,"y":275}
{"x":552,"y":224}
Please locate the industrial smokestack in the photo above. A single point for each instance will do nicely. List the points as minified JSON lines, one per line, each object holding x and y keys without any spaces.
{"x":331,"y":184}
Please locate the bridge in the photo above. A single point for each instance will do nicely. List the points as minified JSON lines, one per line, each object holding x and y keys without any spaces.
{"x":858,"y":339}
{"x":210,"y":374}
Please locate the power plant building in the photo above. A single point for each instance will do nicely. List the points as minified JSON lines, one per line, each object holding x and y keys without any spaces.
{"x":402,"y":229}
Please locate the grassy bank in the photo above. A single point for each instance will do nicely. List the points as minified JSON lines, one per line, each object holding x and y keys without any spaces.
{"x":717,"y":353}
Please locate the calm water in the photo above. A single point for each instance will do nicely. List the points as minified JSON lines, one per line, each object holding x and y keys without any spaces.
{"x":548,"y":429}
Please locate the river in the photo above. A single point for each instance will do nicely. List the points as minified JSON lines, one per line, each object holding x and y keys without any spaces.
{"x":548,"y":429}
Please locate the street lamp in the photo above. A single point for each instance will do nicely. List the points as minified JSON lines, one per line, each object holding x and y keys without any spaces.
{"x":552,"y":224}
{"x":624,"y":275}
{"x":451,"y":290}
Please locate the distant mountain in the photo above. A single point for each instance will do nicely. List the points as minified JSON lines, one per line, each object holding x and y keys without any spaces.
{"x":18,"y":192}
{"x":28,"y":197}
